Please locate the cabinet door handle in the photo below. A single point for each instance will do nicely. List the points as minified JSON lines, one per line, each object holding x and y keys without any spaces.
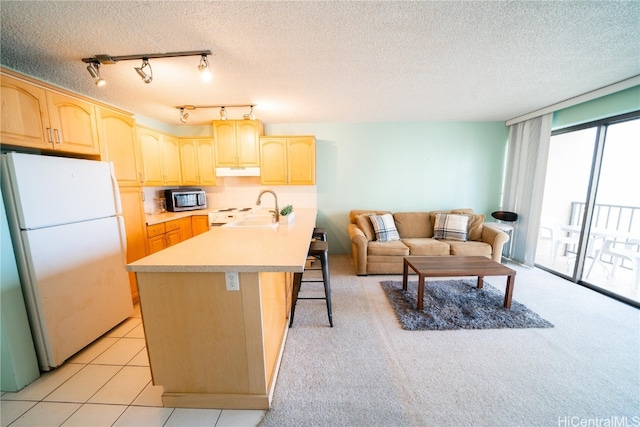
{"x":58,"y":136}
{"x":50,"y":135}
{"x":141,"y":178}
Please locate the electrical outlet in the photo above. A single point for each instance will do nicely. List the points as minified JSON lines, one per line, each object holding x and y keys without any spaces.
{"x":233,"y":283}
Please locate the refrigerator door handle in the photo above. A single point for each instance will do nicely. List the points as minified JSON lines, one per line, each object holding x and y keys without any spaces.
{"x":116,"y":190}
{"x":123,"y":239}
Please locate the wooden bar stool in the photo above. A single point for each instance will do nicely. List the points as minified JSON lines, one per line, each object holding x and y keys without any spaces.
{"x":318,"y":249}
{"x":319,"y":234}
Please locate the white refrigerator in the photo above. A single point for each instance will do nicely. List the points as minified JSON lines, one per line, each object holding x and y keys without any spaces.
{"x":68,"y":235}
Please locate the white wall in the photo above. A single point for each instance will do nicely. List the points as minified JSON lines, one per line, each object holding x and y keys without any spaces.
{"x":402,"y":167}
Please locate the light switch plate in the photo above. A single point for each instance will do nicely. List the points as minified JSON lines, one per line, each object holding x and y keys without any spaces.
{"x":233,"y":283}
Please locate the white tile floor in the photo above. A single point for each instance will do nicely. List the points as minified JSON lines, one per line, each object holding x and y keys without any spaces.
{"x":108,"y":384}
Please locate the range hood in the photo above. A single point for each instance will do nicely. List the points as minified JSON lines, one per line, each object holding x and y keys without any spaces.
{"x":251,"y":171}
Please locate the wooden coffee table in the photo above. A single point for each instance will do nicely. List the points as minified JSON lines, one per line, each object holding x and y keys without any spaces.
{"x":455,"y":266}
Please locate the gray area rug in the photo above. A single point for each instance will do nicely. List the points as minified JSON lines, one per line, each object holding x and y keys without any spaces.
{"x":457,"y":304}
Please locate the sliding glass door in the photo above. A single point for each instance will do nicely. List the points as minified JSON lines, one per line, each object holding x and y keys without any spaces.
{"x":614,"y":259}
{"x":590,"y":221}
{"x":567,"y":184}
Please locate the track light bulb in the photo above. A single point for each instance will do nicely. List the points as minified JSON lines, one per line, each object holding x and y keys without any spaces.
{"x":223,"y":114}
{"x":250,"y":115}
{"x":205,"y":70}
{"x":95,"y":74}
{"x":147,"y":78}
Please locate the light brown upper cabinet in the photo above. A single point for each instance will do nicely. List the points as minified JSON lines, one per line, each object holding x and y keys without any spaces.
{"x":73,"y":124}
{"x":160,"y":158}
{"x":40,"y":118}
{"x":237,"y":142}
{"x":288,"y":160}
{"x":171,"y":160}
{"x":197,"y":164}
{"x":118,"y":144}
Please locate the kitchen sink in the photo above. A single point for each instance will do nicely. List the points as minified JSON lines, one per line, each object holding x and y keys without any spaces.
{"x":261,"y":222}
{"x":259,"y":217}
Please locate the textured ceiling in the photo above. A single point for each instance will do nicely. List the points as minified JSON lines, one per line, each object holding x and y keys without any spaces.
{"x":324,"y":61}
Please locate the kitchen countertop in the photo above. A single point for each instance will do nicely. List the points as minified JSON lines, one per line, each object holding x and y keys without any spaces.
{"x":153,"y":219}
{"x":236,"y":249}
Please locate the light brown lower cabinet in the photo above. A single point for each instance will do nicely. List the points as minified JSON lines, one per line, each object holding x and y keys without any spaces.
{"x":156,"y":237}
{"x":199,"y":224}
{"x":186,"y":231}
{"x":165,"y":234}
{"x":173,"y":236}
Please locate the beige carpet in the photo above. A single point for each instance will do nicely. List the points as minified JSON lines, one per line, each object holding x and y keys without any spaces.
{"x":368,"y":371}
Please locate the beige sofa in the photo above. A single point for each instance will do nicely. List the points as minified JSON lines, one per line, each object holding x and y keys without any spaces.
{"x":416,"y":232}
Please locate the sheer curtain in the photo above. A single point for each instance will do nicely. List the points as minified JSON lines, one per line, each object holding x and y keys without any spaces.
{"x":527,"y":154}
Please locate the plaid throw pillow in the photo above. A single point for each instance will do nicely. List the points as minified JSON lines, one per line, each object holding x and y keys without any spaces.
{"x":451,"y":227}
{"x":384,"y":227}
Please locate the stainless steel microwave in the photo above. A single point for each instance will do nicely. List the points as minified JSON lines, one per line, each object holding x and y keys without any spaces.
{"x":185,"y":199}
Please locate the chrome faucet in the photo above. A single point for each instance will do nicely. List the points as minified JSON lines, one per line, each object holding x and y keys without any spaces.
{"x":277,"y":213}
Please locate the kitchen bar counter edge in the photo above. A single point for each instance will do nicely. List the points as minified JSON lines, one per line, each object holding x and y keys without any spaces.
{"x":237,"y":249}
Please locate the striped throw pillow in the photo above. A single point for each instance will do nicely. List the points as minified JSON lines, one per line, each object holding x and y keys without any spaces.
{"x":384,"y":227}
{"x":451,"y":227}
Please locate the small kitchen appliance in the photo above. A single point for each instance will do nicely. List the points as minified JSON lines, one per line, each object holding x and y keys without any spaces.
{"x":185,"y":199}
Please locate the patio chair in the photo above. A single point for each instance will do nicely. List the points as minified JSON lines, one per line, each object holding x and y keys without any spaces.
{"x":552,"y":230}
{"x":628,"y":252}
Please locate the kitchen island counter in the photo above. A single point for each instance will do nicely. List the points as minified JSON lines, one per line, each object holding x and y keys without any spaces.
{"x":215,"y":311}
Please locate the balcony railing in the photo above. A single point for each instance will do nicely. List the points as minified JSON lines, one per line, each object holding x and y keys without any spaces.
{"x":623,"y":219}
{"x":623,"y":222}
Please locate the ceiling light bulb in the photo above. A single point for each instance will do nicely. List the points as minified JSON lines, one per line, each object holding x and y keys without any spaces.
{"x":205,"y":70}
{"x":250,"y":115}
{"x":183,"y":115}
{"x":223,"y":114}
{"x":147,"y":78}
{"x":95,"y":73}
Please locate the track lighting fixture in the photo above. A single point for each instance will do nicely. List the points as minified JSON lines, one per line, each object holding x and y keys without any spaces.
{"x":205,"y":70}
{"x":147,"y":78}
{"x":144,"y":71}
{"x":250,"y":115}
{"x":94,"y":70}
{"x":223,"y":110}
{"x":183,"y":115}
